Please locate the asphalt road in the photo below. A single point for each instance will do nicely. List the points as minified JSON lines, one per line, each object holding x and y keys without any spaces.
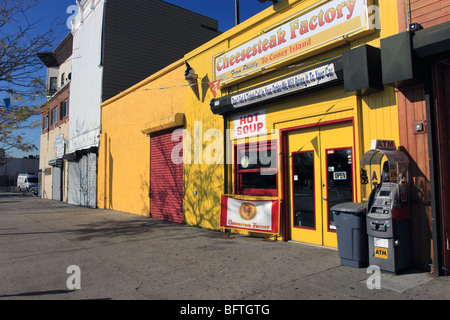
{"x":54,"y":251}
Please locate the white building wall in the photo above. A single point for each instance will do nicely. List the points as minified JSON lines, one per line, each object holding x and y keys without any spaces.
{"x":86,"y":84}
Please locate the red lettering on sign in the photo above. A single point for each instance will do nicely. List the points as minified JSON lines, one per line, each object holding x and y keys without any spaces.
{"x":385,"y":144}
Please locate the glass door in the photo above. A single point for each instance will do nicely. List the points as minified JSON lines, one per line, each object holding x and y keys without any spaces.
{"x":320,"y":176}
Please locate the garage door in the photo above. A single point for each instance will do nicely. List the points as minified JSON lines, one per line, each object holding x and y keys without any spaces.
{"x":166,"y":179}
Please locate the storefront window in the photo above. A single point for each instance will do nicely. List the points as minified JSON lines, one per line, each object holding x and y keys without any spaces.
{"x":256,"y":169}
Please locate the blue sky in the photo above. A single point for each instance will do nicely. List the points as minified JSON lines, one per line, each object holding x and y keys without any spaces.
{"x":57,"y":10}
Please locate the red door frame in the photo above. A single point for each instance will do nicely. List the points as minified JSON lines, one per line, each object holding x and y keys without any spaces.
{"x":284,"y":168}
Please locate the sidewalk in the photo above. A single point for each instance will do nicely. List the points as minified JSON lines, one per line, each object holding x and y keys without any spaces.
{"x":122,"y":256}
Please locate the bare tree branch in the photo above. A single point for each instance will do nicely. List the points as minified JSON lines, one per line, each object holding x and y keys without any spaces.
{"x":21,"y":39}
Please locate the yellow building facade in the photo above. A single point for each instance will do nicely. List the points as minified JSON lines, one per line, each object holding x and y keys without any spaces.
{"x":300,"y":91}
{"x":128,"y":121}
{"x":299,"y":101}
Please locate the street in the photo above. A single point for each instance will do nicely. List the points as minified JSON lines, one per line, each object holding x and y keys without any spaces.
{"x":55,"y":251}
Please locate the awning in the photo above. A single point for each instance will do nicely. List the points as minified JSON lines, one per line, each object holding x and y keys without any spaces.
{"x":432,"y":41}
{"x":285,"y":87}
{"x":173,"y":121}
{"x":56,"y":163}
{"x":374,"y":156}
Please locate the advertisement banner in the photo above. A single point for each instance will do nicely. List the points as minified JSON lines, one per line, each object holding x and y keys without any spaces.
{"x":59,"y":146}
{"x":259,"y":216}
{"x":312,"y":30}
{"x":289,"y":85}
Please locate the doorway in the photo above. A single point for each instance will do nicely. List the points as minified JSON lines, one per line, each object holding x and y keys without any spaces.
{"x":320,"y":174}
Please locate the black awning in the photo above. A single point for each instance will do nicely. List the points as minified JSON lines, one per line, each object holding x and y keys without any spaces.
{"x":56,"y":163}
{"x":432,"y":41}
{"x":284,"y":88}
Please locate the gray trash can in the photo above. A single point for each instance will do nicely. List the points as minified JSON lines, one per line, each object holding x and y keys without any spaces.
{"x":350,"y":222}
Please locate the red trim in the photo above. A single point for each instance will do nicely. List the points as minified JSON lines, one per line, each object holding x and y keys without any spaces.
{"x":237,"y":172}
{"x":292,"y":194}
{"x":284,"y":170}
{"x":285,"y":235}
{"x":356,"y":172}
{"x":223,"y":208}
{"x":320,"y":124}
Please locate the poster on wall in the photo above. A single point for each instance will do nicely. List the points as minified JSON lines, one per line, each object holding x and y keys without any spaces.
{"x":59,"y":146}
{"x":251,"y":215}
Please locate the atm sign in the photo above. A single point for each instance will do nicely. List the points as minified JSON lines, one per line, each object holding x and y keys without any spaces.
{"x":381,"y":253}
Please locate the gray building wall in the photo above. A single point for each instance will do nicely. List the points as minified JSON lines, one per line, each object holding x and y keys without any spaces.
{"x":141,"y":37}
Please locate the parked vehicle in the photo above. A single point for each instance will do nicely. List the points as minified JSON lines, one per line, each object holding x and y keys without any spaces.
{"x":28,"y":182}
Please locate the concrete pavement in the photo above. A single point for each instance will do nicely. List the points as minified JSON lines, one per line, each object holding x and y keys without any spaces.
{"x":127,"y":257}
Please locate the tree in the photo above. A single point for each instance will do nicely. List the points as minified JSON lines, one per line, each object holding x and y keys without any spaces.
{"x":20,"y":41}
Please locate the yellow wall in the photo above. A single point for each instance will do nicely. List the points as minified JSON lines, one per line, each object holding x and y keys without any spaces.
{"x":375,"y":116}
{"x":124,"y":153}
{"x":205,"y":179}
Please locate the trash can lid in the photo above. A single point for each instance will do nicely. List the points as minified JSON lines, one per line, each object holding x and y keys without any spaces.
{"x":356,"y":208}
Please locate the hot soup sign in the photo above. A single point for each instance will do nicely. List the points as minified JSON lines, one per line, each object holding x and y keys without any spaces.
{"x":250,"y":124}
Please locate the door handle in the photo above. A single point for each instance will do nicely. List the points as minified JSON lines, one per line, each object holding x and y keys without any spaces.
{"x":324,"y":198}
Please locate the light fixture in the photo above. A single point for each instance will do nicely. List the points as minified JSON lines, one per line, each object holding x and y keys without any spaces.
{"x":192,"y":79}
{"x":414,"y":26}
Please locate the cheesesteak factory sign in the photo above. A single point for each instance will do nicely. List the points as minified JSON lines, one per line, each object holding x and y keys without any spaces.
{"x":311,"y":30}
{"x":260,"y":216}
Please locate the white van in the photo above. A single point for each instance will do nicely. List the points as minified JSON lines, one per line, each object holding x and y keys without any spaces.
{"x":28,"y":181}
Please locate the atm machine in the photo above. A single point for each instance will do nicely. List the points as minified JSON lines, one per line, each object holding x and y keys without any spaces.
{"x":385,"y":186}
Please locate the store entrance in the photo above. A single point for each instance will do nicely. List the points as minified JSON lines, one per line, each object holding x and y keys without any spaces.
{"x":320,"y":173}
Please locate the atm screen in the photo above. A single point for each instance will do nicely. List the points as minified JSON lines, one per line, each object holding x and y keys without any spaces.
{"x":384,"y":193}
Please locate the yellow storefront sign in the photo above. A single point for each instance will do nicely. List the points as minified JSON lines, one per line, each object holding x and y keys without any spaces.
{"x":315,"y":27}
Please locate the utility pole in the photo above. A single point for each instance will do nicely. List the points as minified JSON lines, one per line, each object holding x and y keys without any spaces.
{"x":236,"y":5}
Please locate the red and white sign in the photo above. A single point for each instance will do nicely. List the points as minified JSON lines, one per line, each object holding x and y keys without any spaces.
{"x":250,"y":124}
{"x":312,"y":29}
{"x":383,"y":145}
{"x":259,"y":216}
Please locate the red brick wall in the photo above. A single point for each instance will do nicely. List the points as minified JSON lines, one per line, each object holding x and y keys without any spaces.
{"x":426,"y":12}
{"x":55,"y":103}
